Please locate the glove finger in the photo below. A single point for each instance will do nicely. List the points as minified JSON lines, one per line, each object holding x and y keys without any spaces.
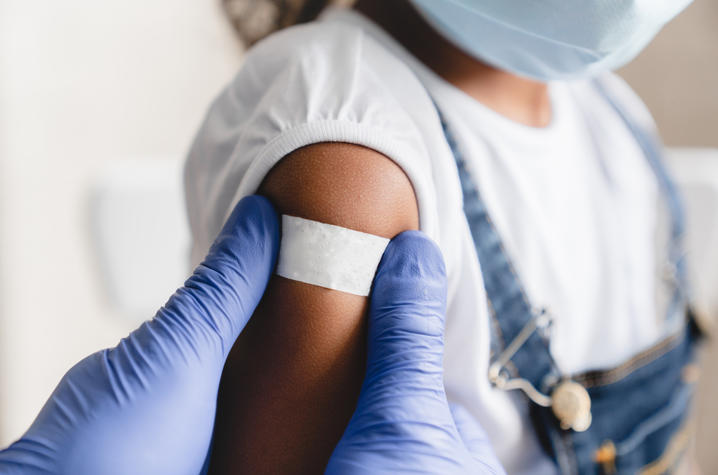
{"x":216,"y":302}
{"x":475,"y":439}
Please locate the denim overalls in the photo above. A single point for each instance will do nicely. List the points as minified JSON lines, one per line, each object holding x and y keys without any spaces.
{"x":629,"y":419}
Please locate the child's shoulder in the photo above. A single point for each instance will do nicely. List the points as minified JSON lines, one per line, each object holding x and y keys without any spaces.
{"x":340,"y":47}
{"x":327,"y":70}
{"x":323,"y":82}
{"x":309,"y":42}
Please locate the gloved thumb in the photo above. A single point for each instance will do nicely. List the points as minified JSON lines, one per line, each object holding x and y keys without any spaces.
{"x":402,"y":407}
{"x":216,"y":302}
{"x":405,"y":336}
{"x":406,"y":314}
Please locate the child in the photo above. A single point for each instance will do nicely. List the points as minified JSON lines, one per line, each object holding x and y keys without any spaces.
{"x":495,"y":127}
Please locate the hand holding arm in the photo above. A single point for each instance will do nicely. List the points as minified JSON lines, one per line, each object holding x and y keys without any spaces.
{"x":147,"y":406}
{"x":403,"y":422}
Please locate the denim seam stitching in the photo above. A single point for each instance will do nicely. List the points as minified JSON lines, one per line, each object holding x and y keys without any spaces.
{"x":640,"y":360}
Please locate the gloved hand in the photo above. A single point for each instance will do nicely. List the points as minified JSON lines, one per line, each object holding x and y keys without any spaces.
{"x":147,"y":406}
{"x":403,"y":422}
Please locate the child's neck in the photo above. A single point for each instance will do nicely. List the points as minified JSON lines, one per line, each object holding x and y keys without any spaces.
{"x":519,"y":99}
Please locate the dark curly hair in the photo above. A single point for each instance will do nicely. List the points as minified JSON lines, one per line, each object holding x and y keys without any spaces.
{"x":255,"y":19}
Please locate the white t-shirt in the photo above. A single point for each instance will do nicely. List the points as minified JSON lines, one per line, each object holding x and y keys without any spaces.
{"x":575,"y":203}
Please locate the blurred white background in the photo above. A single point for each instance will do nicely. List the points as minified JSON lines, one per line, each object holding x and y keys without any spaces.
{"x":98,"y":104}
{"x":88,"y":90}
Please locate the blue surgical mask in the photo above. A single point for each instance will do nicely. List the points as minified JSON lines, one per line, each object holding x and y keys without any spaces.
{"x":551,"y":39}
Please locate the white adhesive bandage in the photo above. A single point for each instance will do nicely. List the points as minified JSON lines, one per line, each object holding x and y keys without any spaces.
{"x":329,"y":256}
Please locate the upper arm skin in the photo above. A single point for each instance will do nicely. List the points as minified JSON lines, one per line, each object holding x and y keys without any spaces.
{"x":292,"y":379}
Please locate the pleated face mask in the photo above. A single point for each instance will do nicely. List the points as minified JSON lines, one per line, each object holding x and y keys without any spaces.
{"x":551,"y":39}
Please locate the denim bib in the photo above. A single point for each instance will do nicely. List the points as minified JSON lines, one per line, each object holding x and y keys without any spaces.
{"x":628,"y":419}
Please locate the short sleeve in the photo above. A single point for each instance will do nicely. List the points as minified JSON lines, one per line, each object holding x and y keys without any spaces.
{"x":322,"y":82}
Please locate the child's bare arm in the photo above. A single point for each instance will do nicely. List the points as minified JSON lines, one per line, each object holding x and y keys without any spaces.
{"x":301,"y":357}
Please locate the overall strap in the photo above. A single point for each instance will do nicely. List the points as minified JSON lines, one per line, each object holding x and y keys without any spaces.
{"x":521,"y":358}
{"x":653,"y":150}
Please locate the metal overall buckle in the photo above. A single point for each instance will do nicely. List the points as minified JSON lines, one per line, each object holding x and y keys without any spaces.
{"x":569,"y":401}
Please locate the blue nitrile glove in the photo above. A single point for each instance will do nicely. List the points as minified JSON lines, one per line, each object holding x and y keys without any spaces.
{"x":147,"y":406}
{"x":403,"y":422}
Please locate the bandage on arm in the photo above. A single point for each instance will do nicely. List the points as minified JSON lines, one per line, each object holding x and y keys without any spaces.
{"x":292,"y":379}
{"x":329,"y":256}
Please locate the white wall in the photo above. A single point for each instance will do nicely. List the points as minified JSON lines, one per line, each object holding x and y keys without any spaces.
{"x":83,"y":83}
